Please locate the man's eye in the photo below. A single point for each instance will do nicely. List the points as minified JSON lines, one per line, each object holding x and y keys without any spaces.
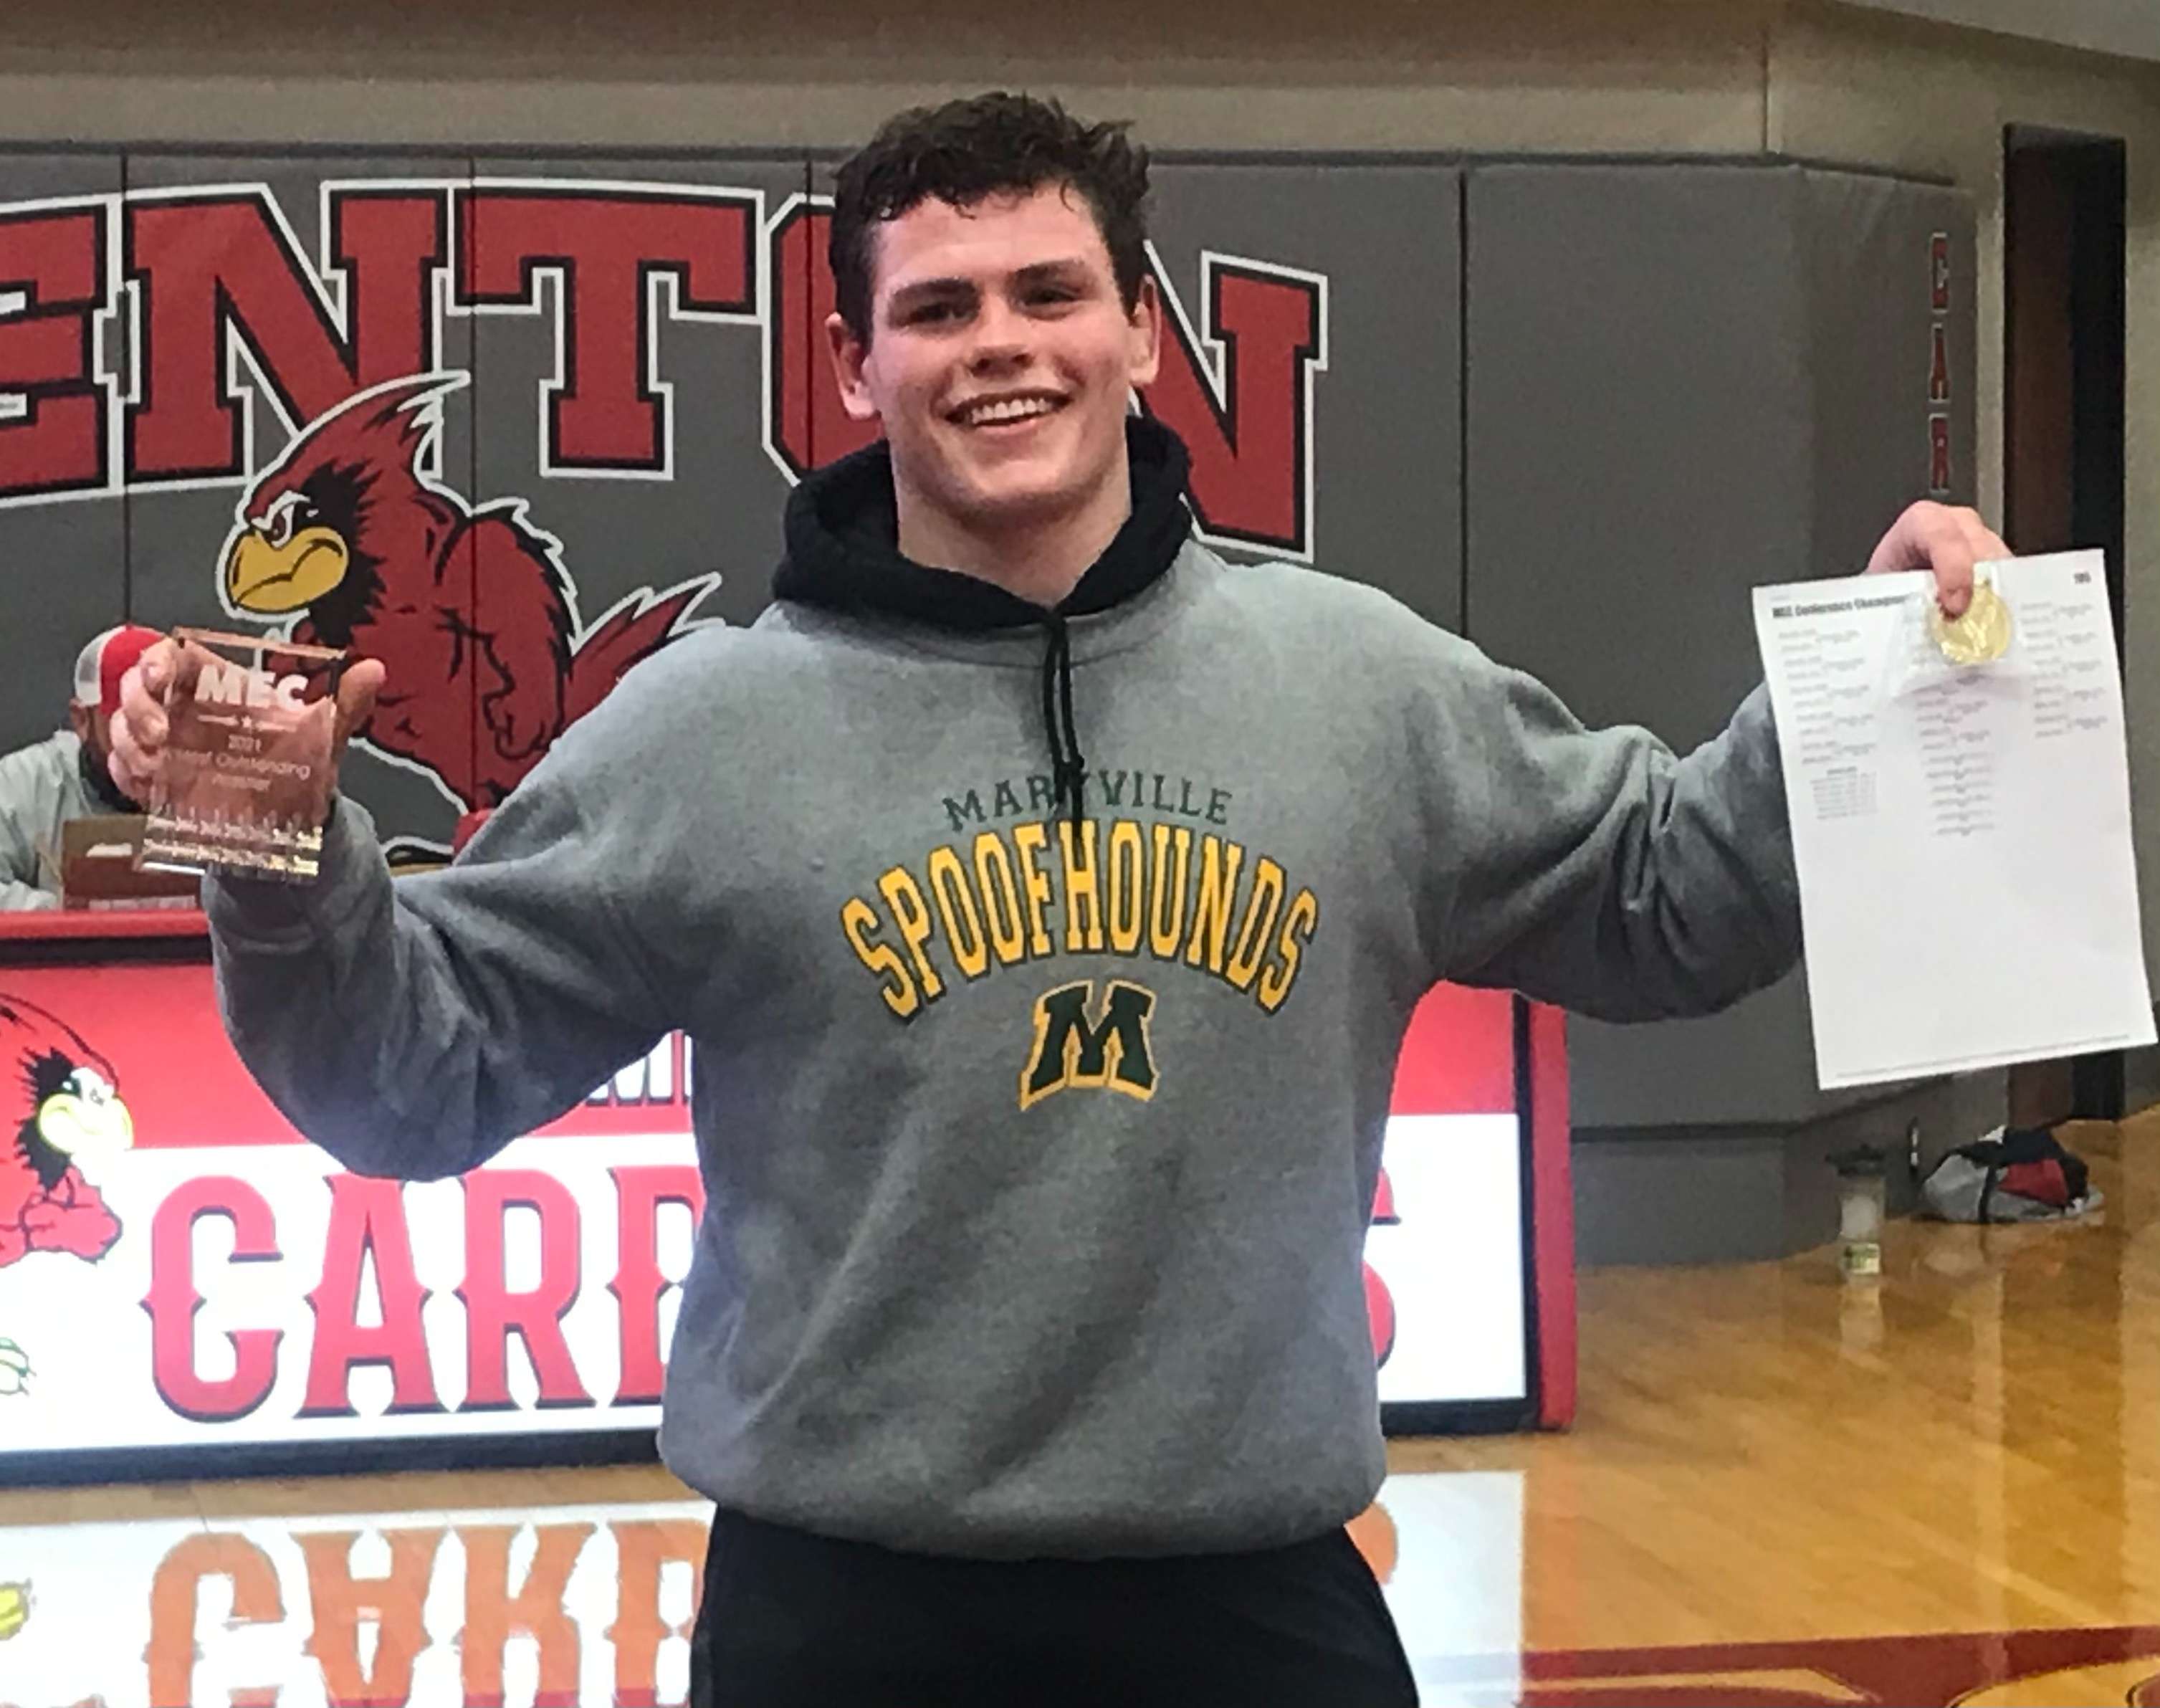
{"x":930,"y":313}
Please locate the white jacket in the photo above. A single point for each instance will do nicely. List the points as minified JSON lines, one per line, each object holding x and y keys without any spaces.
{"x":41,"y":788}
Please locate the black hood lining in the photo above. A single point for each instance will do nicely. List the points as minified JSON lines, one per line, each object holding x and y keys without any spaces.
{"x":843,"y":531}
{"x":843,"y":534}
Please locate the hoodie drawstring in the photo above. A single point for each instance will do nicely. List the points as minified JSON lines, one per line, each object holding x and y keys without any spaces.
{"x":844,"y":555}
{"x":1068,"y":770}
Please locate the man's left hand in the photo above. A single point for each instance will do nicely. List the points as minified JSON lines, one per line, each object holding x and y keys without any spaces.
{"x":1947,"y":540}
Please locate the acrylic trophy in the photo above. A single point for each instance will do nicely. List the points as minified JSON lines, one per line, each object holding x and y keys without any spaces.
{"x":245,"y":784}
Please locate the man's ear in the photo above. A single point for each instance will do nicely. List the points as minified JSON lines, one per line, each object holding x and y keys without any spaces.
{"x":78,"y":720}
{"x":850,"y":356}
{"x":1144,"y":332}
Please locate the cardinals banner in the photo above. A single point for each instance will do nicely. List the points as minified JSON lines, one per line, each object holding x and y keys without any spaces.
{"x":178,"y":1268}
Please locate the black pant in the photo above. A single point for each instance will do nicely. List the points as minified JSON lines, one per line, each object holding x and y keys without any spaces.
{"x":791,"y":1620}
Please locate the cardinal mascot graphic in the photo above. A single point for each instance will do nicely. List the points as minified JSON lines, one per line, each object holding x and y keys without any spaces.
{"x":59,"y":1114}
{"x":348,"y":541}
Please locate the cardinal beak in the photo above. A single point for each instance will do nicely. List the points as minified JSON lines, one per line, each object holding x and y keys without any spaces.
{"x":261,"y":577}
{"x":81,"y":1127}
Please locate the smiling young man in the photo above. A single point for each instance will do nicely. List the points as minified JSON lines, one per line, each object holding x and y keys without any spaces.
{"x":999,"y":351}
{"x":1023,"y":1349}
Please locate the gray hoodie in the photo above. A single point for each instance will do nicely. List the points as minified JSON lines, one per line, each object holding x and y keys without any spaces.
{"x":1038,"y":1153}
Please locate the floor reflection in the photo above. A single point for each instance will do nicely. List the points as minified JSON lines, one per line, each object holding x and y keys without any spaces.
{"x":553,"y":1607}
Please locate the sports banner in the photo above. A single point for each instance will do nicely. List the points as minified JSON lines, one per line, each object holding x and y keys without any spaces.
{"x":179,"y":1269}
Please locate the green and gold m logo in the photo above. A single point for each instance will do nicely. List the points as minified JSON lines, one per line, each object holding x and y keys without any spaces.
{"x":1110,"y":1051}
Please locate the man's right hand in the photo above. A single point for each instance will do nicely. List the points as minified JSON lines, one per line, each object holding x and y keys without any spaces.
{"x":139,"y":727}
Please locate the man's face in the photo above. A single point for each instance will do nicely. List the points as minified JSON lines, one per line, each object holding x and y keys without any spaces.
{"x":1001,"y":359}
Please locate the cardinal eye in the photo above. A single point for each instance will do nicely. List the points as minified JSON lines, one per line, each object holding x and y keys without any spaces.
{"x":89,"y":1085}
{"x":287,"y":517}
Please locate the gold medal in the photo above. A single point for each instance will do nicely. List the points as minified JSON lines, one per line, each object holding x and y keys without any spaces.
{"x":1981,"y":635}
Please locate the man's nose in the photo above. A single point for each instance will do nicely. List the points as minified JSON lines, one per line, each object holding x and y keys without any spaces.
{"x":1004,"y":337}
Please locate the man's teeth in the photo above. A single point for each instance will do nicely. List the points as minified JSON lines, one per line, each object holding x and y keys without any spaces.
{"x":1011,"y":409}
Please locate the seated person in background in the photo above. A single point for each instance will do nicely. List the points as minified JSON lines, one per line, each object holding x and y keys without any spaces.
{"x":64,"y":776}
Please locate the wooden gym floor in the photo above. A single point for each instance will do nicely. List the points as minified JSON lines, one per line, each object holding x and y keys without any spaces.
{"x":1783,"y":1488}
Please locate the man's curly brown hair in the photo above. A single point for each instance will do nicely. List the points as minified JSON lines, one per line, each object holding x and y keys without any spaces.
{"x":966,"y":151}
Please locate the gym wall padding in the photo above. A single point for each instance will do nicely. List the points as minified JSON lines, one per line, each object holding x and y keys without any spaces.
{"x":1686,"y":381}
